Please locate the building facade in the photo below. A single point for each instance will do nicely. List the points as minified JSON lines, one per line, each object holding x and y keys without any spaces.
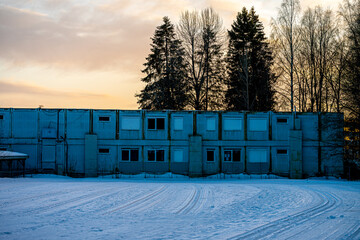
{"x":84,"y":142}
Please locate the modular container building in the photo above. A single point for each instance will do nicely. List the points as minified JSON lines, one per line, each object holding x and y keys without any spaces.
{"x":85,"y":142}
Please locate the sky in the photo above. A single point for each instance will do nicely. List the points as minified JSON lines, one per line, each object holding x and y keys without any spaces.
{"x":89,"y":54}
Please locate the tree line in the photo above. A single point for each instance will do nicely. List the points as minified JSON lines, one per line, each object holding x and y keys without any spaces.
{"x":310,"y":62}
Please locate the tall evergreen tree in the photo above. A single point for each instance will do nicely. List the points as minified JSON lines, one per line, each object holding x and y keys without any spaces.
{"x":250,"y":81}
{"x":166,"y":83}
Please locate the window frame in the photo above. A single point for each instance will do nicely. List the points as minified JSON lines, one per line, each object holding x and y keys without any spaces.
{"x":102,"y":118}
{"x":156,"y":155}
{"x":104,"y":150}
{"x":207,"y":155}
{"x":282,"y":122}
{"x":282,"y":152}
{"x":156,"y":123}
{"x":129,"y":151}
{"x":232,"y":150}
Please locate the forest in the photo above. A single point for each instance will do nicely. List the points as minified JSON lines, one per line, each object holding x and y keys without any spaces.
{"x":309,"y":63}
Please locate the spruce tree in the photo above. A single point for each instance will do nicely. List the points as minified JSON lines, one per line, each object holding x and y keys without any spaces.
{"x":166,"y":85}
{"x":250,"y":81}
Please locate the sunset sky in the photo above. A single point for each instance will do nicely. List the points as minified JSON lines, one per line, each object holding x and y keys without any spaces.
{"x":89,"y":54}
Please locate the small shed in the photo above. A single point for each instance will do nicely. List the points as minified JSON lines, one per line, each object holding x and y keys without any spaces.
{"x":12,"y":163}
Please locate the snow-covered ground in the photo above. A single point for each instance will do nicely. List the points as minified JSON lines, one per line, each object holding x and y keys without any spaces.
{"x":55,"y":207}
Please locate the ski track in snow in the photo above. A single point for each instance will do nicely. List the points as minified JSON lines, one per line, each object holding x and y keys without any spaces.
{"x":54,"y":208}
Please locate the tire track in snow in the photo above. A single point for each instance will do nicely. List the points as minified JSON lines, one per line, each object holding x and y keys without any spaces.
{"x":137,"y":200}
{"x":90,"y":200}
{"x":91,"y":195}
{"x":188,"y":203}
{"x":268,"y":230}
{"x":146,"y":205}
{"x":36,"y":197}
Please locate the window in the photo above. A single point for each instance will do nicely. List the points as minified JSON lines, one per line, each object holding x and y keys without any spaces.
{"x":232,"y":155}
{"x":258,"y":124}
{"x":178,"y":155}
{"x":130,"y":123}
{"x":257,"y":155}
{"x":130,"y":155}
{"x":178,"y":123}
{"x":210,"y":155}
{"x":210,"y":124}
{"x":282,"y":120}
{"x":104,"y":150}
{"x":232,"y":124}
{"x":282,"y":151}
{"x":1,"y":117}
{"x":156,"y":123}
{"x":156,"y":155}
{"x":104,"y":119}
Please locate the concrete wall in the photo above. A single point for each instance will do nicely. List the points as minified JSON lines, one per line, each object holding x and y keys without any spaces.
{"x":54,"y":139}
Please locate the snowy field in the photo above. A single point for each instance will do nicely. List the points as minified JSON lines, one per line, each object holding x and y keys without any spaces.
{"x":55,"y":207}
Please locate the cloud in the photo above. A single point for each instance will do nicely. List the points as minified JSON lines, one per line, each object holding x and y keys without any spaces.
{"x":76,"y":40}
{"x":28,"y":89}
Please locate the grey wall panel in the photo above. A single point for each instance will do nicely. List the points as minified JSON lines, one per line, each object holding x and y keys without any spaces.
{"x":228,"y":132}
{"x":232,"y":167}
{"x":76,"y":158}
{"x":187,"y":125}
{"x":310,"y":161}
{"x":179,"y":168}
{"x":30,"y":149}
{"x":207,"y":125}
{"x":107,"y":162}
{"x":309,"y":126}
{"x":25,"y":123}
{"x":258,"y":126}
{"x":5,"y":123}
{"x":104,"y":124}
{"x":77,"y":123}
{"x":131,"y":167}
{"x":281,"y":124}
{"x":156,"y":167}
{"x":280,"y":160}
{"x":134,"y":117}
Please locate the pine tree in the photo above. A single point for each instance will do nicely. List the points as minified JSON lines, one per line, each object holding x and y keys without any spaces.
{"x":166,"y":85}
{"x":250,"y":81}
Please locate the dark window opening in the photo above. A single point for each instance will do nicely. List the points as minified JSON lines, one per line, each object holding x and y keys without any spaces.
{"x":282,"y":120}
{"x":104,"y":119}
{"x":2,"y":149}
{"x":125,"y":155}
{"x":227,"y":156}
{"x":281,"y":151}
{"x":1,"y":117}
{"x":160,"y":122}
{"x":104,"y":150}
{"x":236,"y":156}
{"x":134,"y":153}
{"x":210,"y":155}
{"x":151,"y":123}
{"x":160,"y":155}
{"x":151,"y":155}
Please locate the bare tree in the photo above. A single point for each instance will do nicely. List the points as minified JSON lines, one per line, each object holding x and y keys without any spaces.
{"x":202,"y":36}
{"x":285,"y":37}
